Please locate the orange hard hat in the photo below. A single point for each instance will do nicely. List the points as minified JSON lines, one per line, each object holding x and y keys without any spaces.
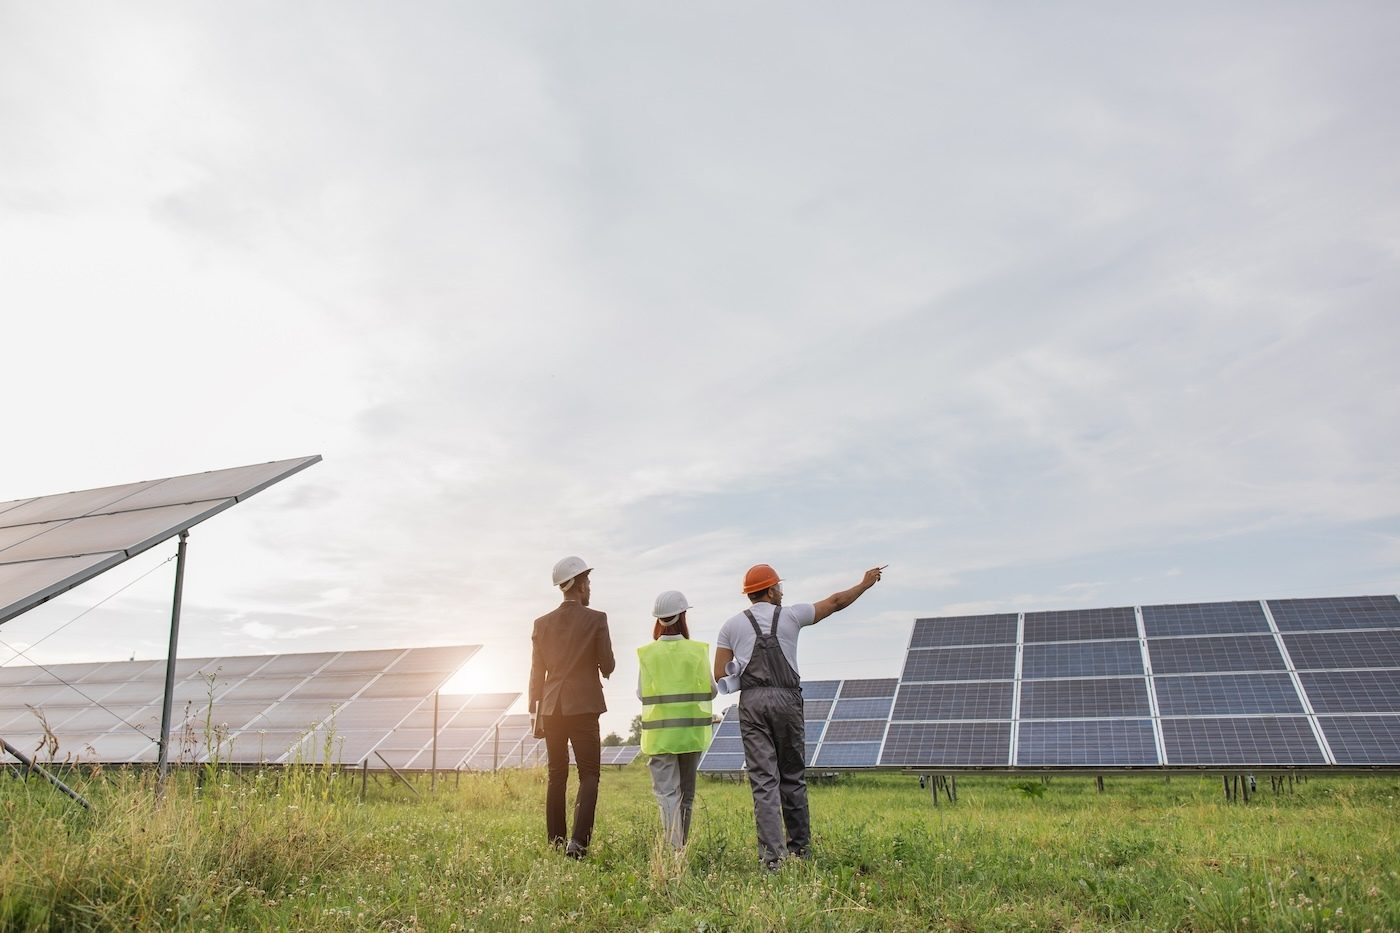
{"x":759,"y":578}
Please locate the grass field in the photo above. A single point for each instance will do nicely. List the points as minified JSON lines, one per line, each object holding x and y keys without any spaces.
{"x":294,"y":851}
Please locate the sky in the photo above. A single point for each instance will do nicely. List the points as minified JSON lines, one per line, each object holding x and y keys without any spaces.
{"x":1044,"y":306}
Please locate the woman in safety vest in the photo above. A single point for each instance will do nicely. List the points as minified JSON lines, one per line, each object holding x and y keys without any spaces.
{"x":675,"y":687}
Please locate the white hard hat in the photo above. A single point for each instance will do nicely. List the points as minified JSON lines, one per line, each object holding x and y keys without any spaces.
{"x":669,"y":603}
{"x":568,"y":568}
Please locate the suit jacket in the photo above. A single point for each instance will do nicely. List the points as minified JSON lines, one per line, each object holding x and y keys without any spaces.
{"x":571,"y":648}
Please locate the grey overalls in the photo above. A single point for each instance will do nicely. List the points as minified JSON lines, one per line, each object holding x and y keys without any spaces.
{"x":775,"y":741}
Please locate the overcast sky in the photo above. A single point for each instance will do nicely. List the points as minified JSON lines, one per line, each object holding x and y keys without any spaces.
{"x":1045,"y":306}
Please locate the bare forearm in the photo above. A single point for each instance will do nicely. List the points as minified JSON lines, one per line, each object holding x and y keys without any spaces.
{"x":838,"y":601}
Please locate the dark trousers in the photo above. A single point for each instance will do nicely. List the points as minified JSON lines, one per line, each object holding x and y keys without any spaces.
{"x":775,"y":745}
{"x":582,"y":733}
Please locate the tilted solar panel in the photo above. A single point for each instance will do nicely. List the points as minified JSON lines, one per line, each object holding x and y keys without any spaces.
{"x":965,"y":630}
{"x":1348,"y":612}
{"x":1363,"y":740}
{"x":1080,"y":625}
{"x":1241,"y":741}
{"x":1353,"y":691}
{"x":1235,"y":618}
{"x":50,"y":544}
{"x":1087,"y":743}
{"x":1214,"y":654}
{"x":1081,"y":659}
{"x":1344,"y":650}
{"x":1077,"y":699}
{"x":1214,"y":694}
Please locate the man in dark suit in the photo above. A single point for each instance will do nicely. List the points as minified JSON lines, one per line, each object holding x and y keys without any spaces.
{"x":571,"y":648}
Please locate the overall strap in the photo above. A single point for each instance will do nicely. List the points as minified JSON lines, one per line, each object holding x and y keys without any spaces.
{"x":773,"y":632}
{"x":757,"y":632}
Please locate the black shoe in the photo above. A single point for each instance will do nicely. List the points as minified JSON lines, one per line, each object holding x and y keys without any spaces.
{"x":574,"y":851}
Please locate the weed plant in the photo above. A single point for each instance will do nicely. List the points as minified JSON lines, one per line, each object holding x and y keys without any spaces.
{"x":296,"y":849}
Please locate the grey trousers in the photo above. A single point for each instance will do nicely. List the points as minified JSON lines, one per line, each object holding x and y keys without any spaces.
{"x":775,"y":748}
{"x":673,"y":782}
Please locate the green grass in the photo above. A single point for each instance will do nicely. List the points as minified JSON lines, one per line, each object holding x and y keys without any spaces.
{"x":293,"y":851}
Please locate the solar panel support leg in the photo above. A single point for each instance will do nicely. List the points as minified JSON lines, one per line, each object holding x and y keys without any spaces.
{"x":496,"y":750}
{"x":394,"y":771}
{"x":31,"y":766}
{"x":933,"y":788}
{"x":163,"y":761}
{"x":953,"y":788}
{"x":1226,"y":779}
{"x":1098,"y":782}
{"x":364,"y":779}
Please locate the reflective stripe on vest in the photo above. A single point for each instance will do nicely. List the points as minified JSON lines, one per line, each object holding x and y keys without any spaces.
{"x":675,"y":691}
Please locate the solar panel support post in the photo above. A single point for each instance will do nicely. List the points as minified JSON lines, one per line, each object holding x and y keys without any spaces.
{"x":163,"y":762}
{"x":432,"y":782}
{"x":496,"y":750}
{"x":364,"y":779}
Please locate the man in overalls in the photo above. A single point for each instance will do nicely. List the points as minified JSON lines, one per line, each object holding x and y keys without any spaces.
{"x":762,"y":643}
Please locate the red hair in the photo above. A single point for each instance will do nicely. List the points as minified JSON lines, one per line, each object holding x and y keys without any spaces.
{"x":676,"y":628}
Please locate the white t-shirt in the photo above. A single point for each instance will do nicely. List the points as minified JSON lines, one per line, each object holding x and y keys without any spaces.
{"x":736,"y":634}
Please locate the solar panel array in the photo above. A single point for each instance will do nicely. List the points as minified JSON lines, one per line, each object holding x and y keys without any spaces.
{"x":621,"y":754}
{"x":272,"y":709}
{"x":49,"y":544}
{"x":1301,"y":682}
{"x":518,"y":748}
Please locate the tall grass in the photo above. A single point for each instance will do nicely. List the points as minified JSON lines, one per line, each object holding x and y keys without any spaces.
{"x":297,"y":849}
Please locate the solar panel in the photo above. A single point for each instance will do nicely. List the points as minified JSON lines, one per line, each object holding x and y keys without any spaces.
{"x":1348,"y":612}
{"x":1213,"y":654}
{"x":1363,"y":740}
{"x":1203,"y":695}
{"x":816,"y":709}
{"x":874,"y":708}
{"x":855,"y":731}
{"x":1087,"y":742}
{"x":946,"y":744}
{"x":820,"y":689}
{"x":847,"y":755}
{"x":1234,"y":618}
{"x":1081,"y":659}
{"x":991,"y":700}
{"x":868,"y":688}
{"x":50,"y":544}
{"x":1353,"y":691}
{"x":1076,"y":699}
{"x":997,"y":629}
{"x":1080,"y":625}
{"x":1341,"y":650}
{"x":1241,"y":741}
{"x":952,"y":664}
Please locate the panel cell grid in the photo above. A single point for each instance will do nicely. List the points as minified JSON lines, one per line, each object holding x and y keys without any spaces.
{"x":848,"y":755}
{"x":1331,"y":650}
{"x":820,"y":689}
{"x":1087,"y":742}
{"x":1232,"y":618}
{"x":874,"y":708}
{"x":815,"y":709}
{"x":1081,"y":659}
{"x":1241,"y":741}
{"x":855,"y":730}
{"x":990,"y":700}
{"x":1363,"y":740}
{"x":1217,"y":654}
{"x":950,"y":744}
{"x":999,"y":629}
{"x":884,"y":687}
{"x":954,"y":664}
{"x":1080,"y":625}
{"x":1353,"y":691}
{"x":1084,"y":699}
{"x":1347,"y":612}
{"x":1214,"y":694}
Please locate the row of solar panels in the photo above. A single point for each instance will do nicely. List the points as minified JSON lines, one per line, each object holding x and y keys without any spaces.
{"x":1282,"y":682}
{"x":513,"y":745}
{"x":350,"y":707}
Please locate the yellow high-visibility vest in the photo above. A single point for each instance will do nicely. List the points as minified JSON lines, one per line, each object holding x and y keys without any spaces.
{"x":675,"y":696}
